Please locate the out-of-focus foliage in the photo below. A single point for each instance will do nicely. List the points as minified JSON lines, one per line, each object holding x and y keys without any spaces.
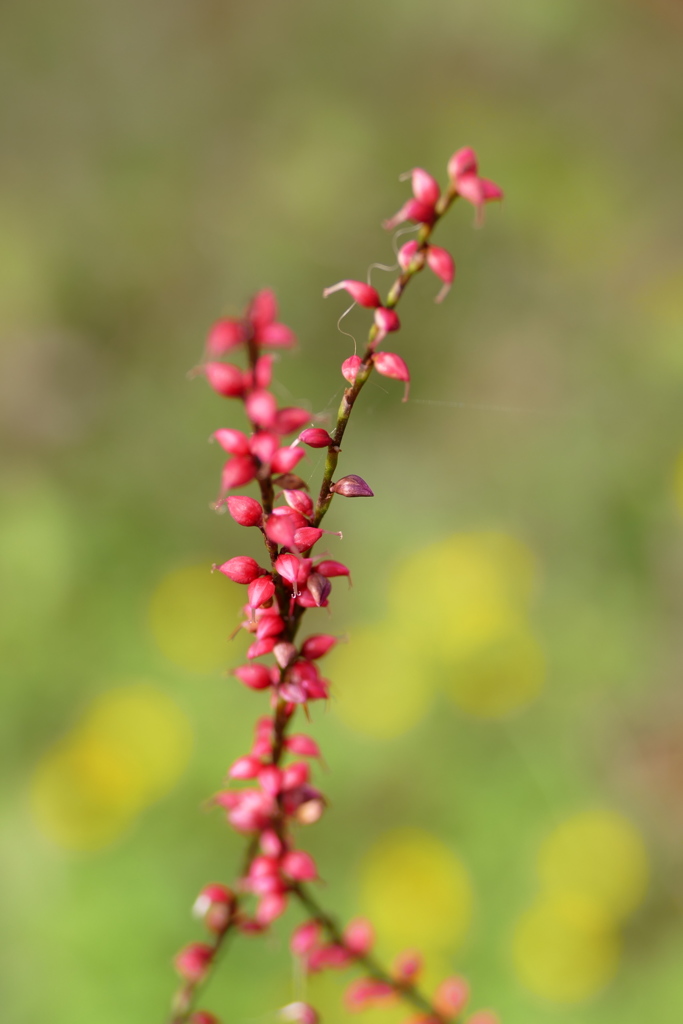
{"x":506,"y":716}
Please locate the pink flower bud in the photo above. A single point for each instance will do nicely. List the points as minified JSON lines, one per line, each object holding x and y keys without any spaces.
{"x":391,"y":365}
{"x":316,"y":646}
{"x":331,"y":568}
{"x":261,"y":647}
{"x":305,"y":938}
{"x":299,"y":501}
{"x":242,"y":569}
{"x":295,"y":775}
{"x":281,"y":530}
{"x":245,"y":510}
{"x":263,"y":445}
{"x":386,"y":321}
{"x":319,"y":588}
{"x":306,"y":537}
{"x":225,"y":378}
{"x":415,"y":210}
{"x":261,"y":408}
{"x":260,"y":591}
{"x":350,"y":368}
{"x":214,"y":905}
{"x":425,"y":187}
{"x":270,"y":843}
{"x":484,"y":1017}
{"x":277,"y":336}
{"x":290,"y":419}
{"x":288,"y":566}
{"x":463,"y":161}
{"x":302,"y":745}
{"x":262,"y":308}
{"x":270,"y":907}
{"x":204,"y":1017}
{"x":270,"y":779}
{"x":451,"y":997}
{"x":299,"y":865}
{"x":332,"y":955}
{"x":351,"y":486}
{"x":285,"y":652}
{"x":285,"y":459}
{"x":299,"y":1013}
{"x":232,"y":441}
{"x":365,"y":992}
{"x":237,"y":471}
{"x":263,"y":371}
{"x":441,"y":263}
{"x":224,"y":335}
{"x":193,"y":961}
{"x":291,"y":515}
{"x":363,"y":294}
{"x":272,"y":625}
{"x":246,"y":767}
{"x":407,"y":966}
{"x":256,"y":677}
{"x":407,"y":253}
{"x":316,"y":437}
{"x":359,"y":936}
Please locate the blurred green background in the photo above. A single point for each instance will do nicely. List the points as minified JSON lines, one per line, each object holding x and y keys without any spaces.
{"x":507,"y":717}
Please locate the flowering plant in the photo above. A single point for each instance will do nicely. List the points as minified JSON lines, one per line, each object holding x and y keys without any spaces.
{"x":280,"y":794}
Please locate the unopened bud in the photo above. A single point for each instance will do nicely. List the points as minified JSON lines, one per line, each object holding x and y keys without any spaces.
{"x":415,"y":210}
{"x":391,"y":365}
{"x":204,"y":1017}
{"x":359,"y":936}
{"x":300,"y":501}
{"x":284,"y":653}
{"x":193,"y":961}
{"x":224,"y":335}
{"x":245,"y":510}
{"x":316,"y":437}
{"x":237,"y":471}
{"x":316,"y":646}
{"x":350,"y":368}
{"x":233,"y":441}
{"x":290,"y":419}
{"x":260,"y":591}
{"x":406,"y":967}
{"x":425,"y":187}
{"x":256,"y":677}
{"x":408,"y":252}
{"x":352,"y":486}
{"x":451,"y":996}
{"x":307,"y":536}
{"x":225,"y":378}
{"x":441,"y":263}
{"x":285,"y":459}
{"x":463,"y":161}
{"x":387,"y":321}
{"x":261,"y":408}
{"x":363,"y":294}
{"x":299,"y":1013}
{"x":299,"y":865}
{"x":305,"y":938}
{"x":319,"y":587}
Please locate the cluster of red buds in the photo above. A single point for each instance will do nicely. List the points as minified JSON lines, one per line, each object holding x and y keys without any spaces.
{"x":279,"y":795}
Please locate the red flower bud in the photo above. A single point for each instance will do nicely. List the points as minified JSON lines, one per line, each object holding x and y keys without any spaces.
{"x":391,"y":365}
{"x":295,"y":775}
{"x":299,"y":865}
{"x":193,"y":961}
{"x":350,"y":368}
{"x":263,"y":371}
{"x":359,"y":936}
{"x":224,"y":335}
{"x":281,"y":530}
{"x":233,"y":441}
{"x":300,"y":501}
{"x":245,"y":510}
{"x":285,"y":459}
{"x":262,"y":308}
{"x":305,"y":938}
{"x":237,"y":471}
{"x":364,"y":992}
{"x":414,"y":209}
{"x":302,"y":745}
{"x":386,"y":321}
{"x":441,"y":263}
{"x":264,"y":445}
{"x":299,"y":1013}
{"x":463,"y":161}
{"x":271,"y":906}
{"x":270,"y":843}
{"x":408,"y":252}
{"x":451,"y":996}
{"x":316,"y":646}
{"x":407,"y":966}
{"x":225,"y":378}
{"x":256,"y":677}
{"x":261,"y":408}
{"x":214,"y":906}
{"x":363,"y":294}
{"x":242,"y":569}
{"x":306,"y":537}
{"x":270,"y":779}
{"x":331,"y":568}
{"x":285,"y":653}
{"x":246,"y":767}
{"x":316,"y":437}
{"x":260,"y":591}
{"x":288,"y":567}
{"x":352,"y":486}
{"x":204,"y":1017}
{"x":290,"y":419}
{"x":425,"y":187}
{"x":261,"y":647}
{"x":276,"y":335}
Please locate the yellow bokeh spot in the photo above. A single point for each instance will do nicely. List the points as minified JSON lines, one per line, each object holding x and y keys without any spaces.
{"x":192,"y":613}
{"x":563,"y":952}
{"x":599,"y":857}
{"x":501,"y":676}
{"x":416,"y":892}
{"x":129,"y":748}
{"x":380,"y":686}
